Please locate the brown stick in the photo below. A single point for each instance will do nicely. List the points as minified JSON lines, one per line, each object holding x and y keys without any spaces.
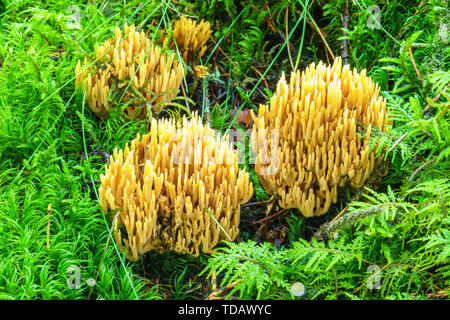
{"x":398,"y":141}
{"x":256,"y":203}
{"x":439,"y":95}
{"x":339,"y":215}
{"x":270,"y":217}
{"x":214,"y":281}
{"x":215,"y":293}
{"x":415,"y":66}
{"x":419,"y":168}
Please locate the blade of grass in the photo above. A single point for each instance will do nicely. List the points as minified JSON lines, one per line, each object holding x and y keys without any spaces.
{"x":119,"y":255}
{"x":305,"y":9}
{"x":225,"y":34}
{"x":217,"y":222}
{"x":265,"y":72}
{"x":143,"y":57}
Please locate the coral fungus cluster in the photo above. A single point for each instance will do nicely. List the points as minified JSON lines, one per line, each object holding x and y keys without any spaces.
{"x":171,"y":188}
{"x":179,"y":186}
{"x":135,"y":70}
{"x":323,"y":119}
{"x":191,"y":38}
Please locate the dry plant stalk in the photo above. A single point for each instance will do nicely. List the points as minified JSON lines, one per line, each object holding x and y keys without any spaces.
{"x":324,"y":117}
{"x":129,"y":62}
{"x":169,"y":184}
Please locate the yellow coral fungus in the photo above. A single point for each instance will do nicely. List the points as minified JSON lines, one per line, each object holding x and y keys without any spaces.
{"x":323,"y":117}
{"x":200,"y":71}
{"x":191,"y":41}
{"x":171,"y":188}
{"x":133,"y":68}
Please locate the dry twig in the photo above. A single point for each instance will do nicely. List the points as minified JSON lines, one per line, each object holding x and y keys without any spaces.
{"x":438,"y":96}
{"x":270,"y":217}
{"x":219,"y":293}
{"x":415,"y":66}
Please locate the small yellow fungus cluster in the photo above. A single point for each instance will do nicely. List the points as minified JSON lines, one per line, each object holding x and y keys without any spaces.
{"x":131,"y":66}
{"x":191,"y":38}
